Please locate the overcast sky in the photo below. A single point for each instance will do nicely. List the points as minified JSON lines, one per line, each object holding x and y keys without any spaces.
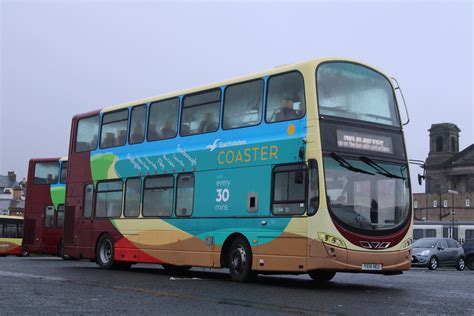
{"x":60,"y":58}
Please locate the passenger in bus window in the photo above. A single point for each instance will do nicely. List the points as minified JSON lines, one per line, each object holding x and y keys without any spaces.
{"x":153,"y":133}
{"x":168,"y":130}
{"x":108,"y":140}
{"x":121,"y":138}
{"x":137,"y":134}
{"x":286,"y":111}
{"x":208,"y":124}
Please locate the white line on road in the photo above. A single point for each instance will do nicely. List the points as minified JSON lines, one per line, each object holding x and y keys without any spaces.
{"x":30,"y":276}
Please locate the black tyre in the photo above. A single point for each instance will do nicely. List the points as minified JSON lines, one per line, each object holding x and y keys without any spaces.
{"x":60,"y":251}
{"x":176,"y":270}
{"x":461,"y":264}
{"x":322,"y":276}
{"x":104,"y":252}
{"x":24,"y":253}
{"x":240,"y":261}
{"x":433,"y":263}
{"x":470,"y":262}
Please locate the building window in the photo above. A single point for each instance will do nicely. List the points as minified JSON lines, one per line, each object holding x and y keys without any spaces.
{"x":49,"y":217}
{"x":417,"y":234}
{"x":454,"y":144}
{"x":46,"y":173}
{"x":63,"y":172}
{"x":185,"y":194}
{"x":435,"y":203}
{"x":439,"y":144}
{"x":243,"y":104}
{"x":285,"y":99}
{"x":430,"y":233}
{"x":88,"y":195}
{"x":468,"y":203}
{"x":108,"y":201}
{"x":158,"y":196}
{"x":415,"y":204}
{"x":163,"y":119}
{"x":289,"y":189}
{"x":87,"y":133}
{"x":137,"y":124}
{"x":114,"y":129}
{"x":60,"y":216}
{"x":133,"y":189}
{"x":201,"y":113}
{"x":445,"y":203}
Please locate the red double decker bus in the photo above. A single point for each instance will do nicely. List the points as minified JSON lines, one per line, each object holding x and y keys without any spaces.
{"x":44,"y":209}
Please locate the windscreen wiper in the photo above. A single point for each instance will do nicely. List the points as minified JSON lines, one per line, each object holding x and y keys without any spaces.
{"x":344,"y":163}
{"x":379,"y":169}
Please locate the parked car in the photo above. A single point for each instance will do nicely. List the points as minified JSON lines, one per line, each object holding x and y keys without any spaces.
{"x":435,"y":252}
{"x":469,"y":253}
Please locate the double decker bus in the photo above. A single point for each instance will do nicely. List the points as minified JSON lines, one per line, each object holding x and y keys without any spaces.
{"x":300,"y":169}
{"x":11,"y":232}
{"x":44,"y":206}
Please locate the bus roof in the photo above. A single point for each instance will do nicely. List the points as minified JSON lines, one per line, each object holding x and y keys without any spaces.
{"x":310,"y":64}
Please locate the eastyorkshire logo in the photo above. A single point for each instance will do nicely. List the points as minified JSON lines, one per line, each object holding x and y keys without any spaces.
{"x":232,"y":143}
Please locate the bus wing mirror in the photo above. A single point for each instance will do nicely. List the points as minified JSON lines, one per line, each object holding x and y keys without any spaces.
{"x":396,"y":86}
{"x":420,"y":179}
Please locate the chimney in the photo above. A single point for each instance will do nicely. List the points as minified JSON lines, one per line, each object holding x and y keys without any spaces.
{"x":12,"y":176}
{"x":17,"y":193}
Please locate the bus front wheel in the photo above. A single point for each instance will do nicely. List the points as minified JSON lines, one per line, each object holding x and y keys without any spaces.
{"x":240,"y":261}
{"x":322,"y":276}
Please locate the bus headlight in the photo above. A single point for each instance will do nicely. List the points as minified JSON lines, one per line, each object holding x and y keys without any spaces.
{"x":407,"y":243}
{"x":331,"y":240}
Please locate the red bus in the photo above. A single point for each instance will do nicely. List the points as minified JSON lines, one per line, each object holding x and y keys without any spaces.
{"x":44,"y":209}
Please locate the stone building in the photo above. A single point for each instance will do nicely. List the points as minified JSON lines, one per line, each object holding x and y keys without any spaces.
{"x":448,"y":171}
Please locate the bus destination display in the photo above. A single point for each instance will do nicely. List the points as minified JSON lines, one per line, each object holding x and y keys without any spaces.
{"x":355,"y":140}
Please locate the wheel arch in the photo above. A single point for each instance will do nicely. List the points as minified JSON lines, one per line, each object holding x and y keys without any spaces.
{"x":226,"y":246}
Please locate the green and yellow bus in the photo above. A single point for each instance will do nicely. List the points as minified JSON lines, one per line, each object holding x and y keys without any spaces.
{"x":11,"y":234}
{"x":299,"y":169}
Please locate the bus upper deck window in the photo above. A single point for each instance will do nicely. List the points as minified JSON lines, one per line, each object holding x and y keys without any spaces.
{"x":201,"y":113}
{"x":285,"y":100}
{"x":63,"y":172}
{"x":46,"y":173}
{"x":87,"y":134}
{"x":163,"y":119}
{"x":243,"y":104}
{"x":114,"y":129}
{"x":137,"y":124}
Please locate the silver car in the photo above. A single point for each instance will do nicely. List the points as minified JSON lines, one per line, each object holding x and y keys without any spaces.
{"x":435,"y":252}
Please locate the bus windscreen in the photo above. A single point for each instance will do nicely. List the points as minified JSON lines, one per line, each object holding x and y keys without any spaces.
{"x":352,"y":91}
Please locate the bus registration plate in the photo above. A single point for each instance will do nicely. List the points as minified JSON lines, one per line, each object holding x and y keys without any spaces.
{"x":372,"y":266}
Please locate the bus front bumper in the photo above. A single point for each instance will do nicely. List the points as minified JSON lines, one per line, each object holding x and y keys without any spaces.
{"x":327,"y":257}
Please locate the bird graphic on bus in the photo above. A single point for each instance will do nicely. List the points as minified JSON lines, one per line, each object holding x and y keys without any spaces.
{"x":213,"y":146}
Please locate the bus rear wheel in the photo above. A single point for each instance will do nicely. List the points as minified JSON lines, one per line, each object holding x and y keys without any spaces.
{"x":240,"y":261}
{"x":104,"y":252}
{"x":321,"y":276}
{"x":60,"y":251}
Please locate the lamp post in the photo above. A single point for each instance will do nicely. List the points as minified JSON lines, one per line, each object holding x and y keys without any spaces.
{"x":453,"y":192}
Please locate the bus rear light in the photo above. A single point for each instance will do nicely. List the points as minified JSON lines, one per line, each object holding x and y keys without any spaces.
{"x":331,"y":240}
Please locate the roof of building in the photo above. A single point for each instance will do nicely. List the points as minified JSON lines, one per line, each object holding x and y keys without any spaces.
{"x":6,"y":182}
{"x":462,"y":158}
